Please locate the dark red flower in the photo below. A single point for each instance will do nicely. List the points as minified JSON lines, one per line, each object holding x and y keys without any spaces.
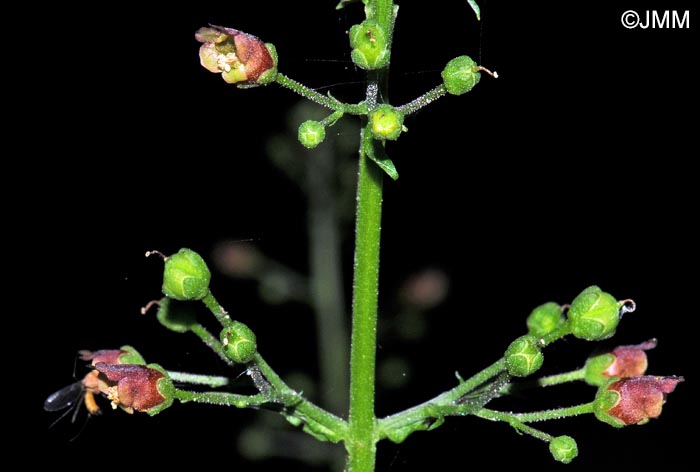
{"x":633,"y":400}
{"x":131,"y":386}
{"x":630,"y":361}
{"x":239,"y":57}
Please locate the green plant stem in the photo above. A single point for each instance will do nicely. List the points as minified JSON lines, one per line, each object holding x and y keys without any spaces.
{"x":334,"y":426}
{"x":217,"y":310}
{"x":362,"y":445}
{"x":220,"y":398}
{"x":324,"y":100}
{"x":555,"y":413}
{"x":434,"y":407}
{"x":424,"y":100}
{"x":548,"y":381}
{"x":514,"y":422}
{"x":213,"y":381}
{"x":362,"y":441}
{"x":211,"y":341}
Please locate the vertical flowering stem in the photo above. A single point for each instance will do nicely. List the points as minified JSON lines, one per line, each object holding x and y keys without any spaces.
{"x":362,"y":438}
{"x":361,"y":444}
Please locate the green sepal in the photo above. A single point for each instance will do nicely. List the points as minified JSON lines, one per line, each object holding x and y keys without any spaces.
{"x":605,"y":400}
{"x":165,"y":388}
{"x":131,"y":356}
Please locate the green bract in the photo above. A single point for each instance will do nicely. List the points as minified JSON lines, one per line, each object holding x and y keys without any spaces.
{"x":186,"y":276}
{"x":460,"y":75}
{"x":544,"y":319}
{"x":594,"y":314}
{"x":370,"y":45}
{"x":524,"y":356}
{"x":311,"y":133}
{"x":563,"y":449}
{"x":386,"y":122}
{"x":240,"y":343}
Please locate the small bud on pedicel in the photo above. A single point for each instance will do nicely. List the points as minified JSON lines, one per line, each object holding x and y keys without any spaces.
{"x":240,"y":343}
{"x":186,"y":276}
{"x":311,"y":134}
{"x":594,"y":314}
{"x":564,"y":449}
{"x":544,"y":319}
{"x":460,"y":75}
{"x":369,"y":43}
{"x":241,"y":58}
{"x":622,"y":362}
{"x":634,"y":400}
{"x":524,"y":356}
{"x":386,"y":122}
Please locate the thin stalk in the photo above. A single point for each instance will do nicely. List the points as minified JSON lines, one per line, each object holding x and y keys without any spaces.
{"x":213,"y":381}
{"x":220,"y":398}
{"x":323,"y":100}
{"x":362,"y":441}
{"x":514,"y":422}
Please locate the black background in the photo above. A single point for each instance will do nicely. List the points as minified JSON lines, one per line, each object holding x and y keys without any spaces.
{"x":573,"y":168}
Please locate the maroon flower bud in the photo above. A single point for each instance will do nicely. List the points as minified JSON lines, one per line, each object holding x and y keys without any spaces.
{"x":634,"y":400}
{"x":108,"y":356}
{"x":123,"y":355}
{"x":240,"y":57}
{"x":622,"y":362}
{"x":135,"y":387}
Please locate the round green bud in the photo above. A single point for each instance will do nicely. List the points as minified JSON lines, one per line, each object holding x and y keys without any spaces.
{"x":240,"y":343}
{"x":311,"y":133}
{"x":594,"y":314}
{"x":524,"y":356}
{"x":178,"y":317}
{"x":186,"y":276}
{"x":563,"y":449}
{"x":595,"y":368}
{"x":386,"y":122}
{"x":370,"y":45}
{"x":544,"y":319}
{"x":460,"y":75}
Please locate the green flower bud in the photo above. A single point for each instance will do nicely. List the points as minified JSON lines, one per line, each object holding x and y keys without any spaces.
{"x":370,"y":45}
{"x":186,"y":276}
{"x":594,"y":314}
{"x":544,"y":319}
{"x":311,"y":133}
{"x":178,"y":317}
{"x":524,"y":356}
{"x":563,"y":449}
{"x":460,"y":75}
{"x":596,"y":367}
{"x":386,"y":122}
{"x":239,"y":342}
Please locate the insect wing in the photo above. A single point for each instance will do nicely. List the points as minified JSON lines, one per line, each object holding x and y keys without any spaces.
{"x":64,"y":398}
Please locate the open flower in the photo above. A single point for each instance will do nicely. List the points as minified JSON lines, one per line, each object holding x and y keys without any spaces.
{"x":622,"y":362}
{"x":634,"y":400}
{"x":240,"y":57}
{"x":135,"y":387}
